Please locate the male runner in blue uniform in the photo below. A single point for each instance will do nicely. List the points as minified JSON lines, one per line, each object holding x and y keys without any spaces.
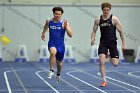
{"x":108,"y":41}
{"x":57,"y":28}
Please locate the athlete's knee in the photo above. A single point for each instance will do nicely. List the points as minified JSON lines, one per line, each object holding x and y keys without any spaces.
{"x":102,"y":61}
{"x":52,"y":52}
{"x":52,"y":55}
{"x":115,"y":62}
{"x":59,"y":63}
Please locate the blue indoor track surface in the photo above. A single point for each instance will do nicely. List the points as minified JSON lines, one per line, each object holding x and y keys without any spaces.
{"x":31,"y":77}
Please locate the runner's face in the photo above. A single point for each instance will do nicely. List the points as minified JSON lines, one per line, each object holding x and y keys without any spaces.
{"x":57,"y":15}
{"x":106,"y":11}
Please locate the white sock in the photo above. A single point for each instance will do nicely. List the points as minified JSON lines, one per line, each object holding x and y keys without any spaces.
{"x":104,"y":78}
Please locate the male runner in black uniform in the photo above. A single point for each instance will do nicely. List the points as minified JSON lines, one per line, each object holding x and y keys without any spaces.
{"x":108,"y":41}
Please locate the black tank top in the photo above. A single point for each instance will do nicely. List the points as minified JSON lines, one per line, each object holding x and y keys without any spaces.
{"x":108,"y":30}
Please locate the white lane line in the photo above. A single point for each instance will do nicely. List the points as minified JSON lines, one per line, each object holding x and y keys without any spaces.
{"x":121,"y":81}
{"x":37,"y":73}
{"x":66,"y":83}
{"x":18,"y":78}
{"x":7,"y":81}
{"x":68,"y":73}
{"x":108,"y":81}
{"x":80,"y":91}
{"x":130,"y":73}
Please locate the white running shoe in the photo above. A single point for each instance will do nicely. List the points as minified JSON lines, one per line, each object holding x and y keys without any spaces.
{"x":50,"y":74}
{"x":58,"y":79}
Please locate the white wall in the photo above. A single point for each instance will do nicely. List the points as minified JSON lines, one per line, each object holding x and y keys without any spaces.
{"x":21,"y":29}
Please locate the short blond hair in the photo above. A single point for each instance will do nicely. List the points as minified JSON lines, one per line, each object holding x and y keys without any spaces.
{"x":106,"y":4}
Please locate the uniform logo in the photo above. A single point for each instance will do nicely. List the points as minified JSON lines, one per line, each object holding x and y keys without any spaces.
{"x":105,"y":24}
{"x":55,"y":27}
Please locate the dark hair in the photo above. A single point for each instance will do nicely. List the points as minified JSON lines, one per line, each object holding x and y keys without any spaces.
{"x":58,"y":9}
{"x":103,"y":5}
